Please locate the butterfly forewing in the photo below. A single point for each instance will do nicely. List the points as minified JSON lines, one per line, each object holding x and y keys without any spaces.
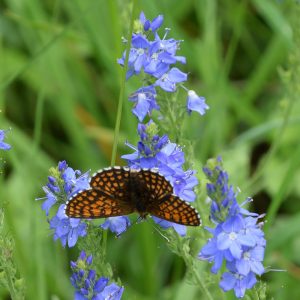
{"x":112,"y":181}
{"x":94,"y":203}
{"x":155,"y":183}
{"x":173,"y":209}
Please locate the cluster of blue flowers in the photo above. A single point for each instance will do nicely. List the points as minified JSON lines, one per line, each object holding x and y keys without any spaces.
{"x":155,"y":58}
{"x":237,"y":237}
{"x":3,"y":145}
{"x":87,"y":286}
{"x":62,"y":184}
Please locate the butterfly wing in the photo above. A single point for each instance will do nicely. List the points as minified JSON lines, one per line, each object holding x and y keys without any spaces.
{"x":113,"y":182}
{"x":173,"y":209}
{"x":157,"y":185}
{"x":163,"y":204}
{"x":93,"y":203}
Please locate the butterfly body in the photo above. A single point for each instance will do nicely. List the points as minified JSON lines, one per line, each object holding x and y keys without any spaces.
{"x":138,"y":194}
{"x":120,"y":191}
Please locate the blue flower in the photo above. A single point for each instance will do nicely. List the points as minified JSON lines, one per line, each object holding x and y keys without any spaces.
{"x":117,"y":225}
{"x":161,"y":55}
{"x":3,"y":146}
{"x":237,"y":238}
{"x":74,"y":181}
{"x":180,"y":229}
{"x":111,"y":292}
{"x":154,"y":56}
{"x":211,"y":253}
{"x":196,"y":103}
{"x":239,"y":283}
{"x":233,"y":236}
{"x":86,"y":284}
{"x":62,"y":184}
{"x":137,"y":56}
{"x":169,"y":80}
{"x":145,"y":101}
{"x":50,"y":200}
{"x":251,"y":260}
{"x":148,"y":25}
{"x":67,"y":229}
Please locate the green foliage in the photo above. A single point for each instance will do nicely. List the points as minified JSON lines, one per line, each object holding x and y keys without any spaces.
{"x":9,"y":279}
{"x":59,"y":84}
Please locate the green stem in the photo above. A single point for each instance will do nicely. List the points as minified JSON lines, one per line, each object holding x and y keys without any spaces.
{"x":204,"y":289}
{"x":122,"y":89}
{"x":189,"y":259}
{"x":120,"y":106}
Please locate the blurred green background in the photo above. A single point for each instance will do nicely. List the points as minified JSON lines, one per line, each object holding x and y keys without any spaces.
{"x":59,"y":87}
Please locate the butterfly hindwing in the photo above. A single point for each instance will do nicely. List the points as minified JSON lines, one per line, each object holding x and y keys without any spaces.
{"x":173,"y":209}
{"x":93,"y":203}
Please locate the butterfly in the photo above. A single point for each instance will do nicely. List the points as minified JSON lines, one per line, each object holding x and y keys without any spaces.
{"x":119,"y":191}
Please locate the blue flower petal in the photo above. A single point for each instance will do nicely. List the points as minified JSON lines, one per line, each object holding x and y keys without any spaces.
{"x":180,"y":229}
{"x":157,"y":22}
{"x":78,"y":296}
{"x":100,"y":284}
{"x":243,"y":266}
{"x":227,"y":282}
{"x":51,"y":200}
{"x":113,"y":292}
{"x":3,"y":146}
{"x":117,"y":225}
{"x":196,"y":103}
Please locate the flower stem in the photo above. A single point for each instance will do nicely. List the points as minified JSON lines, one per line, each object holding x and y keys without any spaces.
{"x":202,"y":285}
{"x":120,"y":106}
{"x":122,"y":88}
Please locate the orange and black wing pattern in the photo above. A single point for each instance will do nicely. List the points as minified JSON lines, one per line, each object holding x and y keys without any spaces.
{"x":174,"y":209}
{"x":113,"y":182}
{"x":163,"y":204}
{"x":156,"y":184}
{"x":93,"y":203}
{"x":107,"y":197}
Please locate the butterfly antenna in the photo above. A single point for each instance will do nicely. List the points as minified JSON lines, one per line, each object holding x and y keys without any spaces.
{"x":159,"y":231}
